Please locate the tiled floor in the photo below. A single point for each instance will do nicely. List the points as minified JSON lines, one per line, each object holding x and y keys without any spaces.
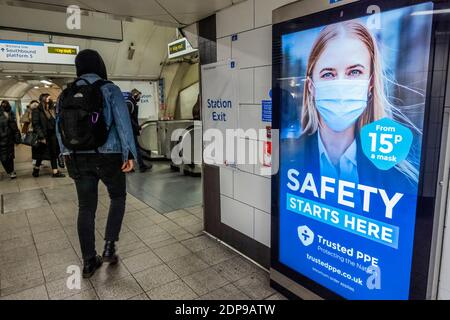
{"x":165,"y":190}
{"x":164,"y":256}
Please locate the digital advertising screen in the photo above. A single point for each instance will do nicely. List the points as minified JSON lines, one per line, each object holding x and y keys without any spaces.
{"x":352,"y":107}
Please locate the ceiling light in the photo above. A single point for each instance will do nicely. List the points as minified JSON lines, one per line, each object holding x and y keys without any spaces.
{"x":36,"y":87}
{"x":9,"y":76}
{"x":46,"y":82}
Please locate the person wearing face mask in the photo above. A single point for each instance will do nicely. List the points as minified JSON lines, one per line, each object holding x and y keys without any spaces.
{"x":343,"y":92}
{"x":44,"y":124}
{"x":9,"y":136}
{"x":133,"y":108}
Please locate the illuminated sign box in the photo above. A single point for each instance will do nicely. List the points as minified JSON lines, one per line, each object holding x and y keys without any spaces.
{"x":60,"y":50}
{"x":180,"y":48}
{"x":351,"y":96}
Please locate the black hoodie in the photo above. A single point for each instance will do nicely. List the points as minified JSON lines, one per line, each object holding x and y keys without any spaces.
{"x":90,"y":61}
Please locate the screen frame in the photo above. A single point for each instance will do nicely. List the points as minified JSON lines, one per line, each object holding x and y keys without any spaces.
{"x":433,"y":118}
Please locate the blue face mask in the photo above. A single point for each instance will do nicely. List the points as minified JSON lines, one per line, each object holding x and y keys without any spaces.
{"x":341,"y":102}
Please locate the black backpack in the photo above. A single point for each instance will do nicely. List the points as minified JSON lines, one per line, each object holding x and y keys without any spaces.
{"x":81,"y":120}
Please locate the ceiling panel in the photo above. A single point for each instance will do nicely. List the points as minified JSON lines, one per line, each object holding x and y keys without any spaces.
{"x":194,"y":6}
{"x":184,"y":11}
{"x":129,"y":8}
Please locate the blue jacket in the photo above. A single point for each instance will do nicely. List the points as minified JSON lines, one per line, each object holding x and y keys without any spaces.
{"x":121,"y":138}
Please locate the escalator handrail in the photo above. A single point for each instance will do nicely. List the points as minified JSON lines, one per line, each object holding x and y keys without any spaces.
{"x":141,"y":127}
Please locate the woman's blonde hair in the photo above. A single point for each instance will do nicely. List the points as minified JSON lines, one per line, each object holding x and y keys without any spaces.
{"x":378,"y":106}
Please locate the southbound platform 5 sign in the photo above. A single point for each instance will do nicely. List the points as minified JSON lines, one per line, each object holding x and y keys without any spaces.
{"x":349,"y":180}
{"x":37,"y":52}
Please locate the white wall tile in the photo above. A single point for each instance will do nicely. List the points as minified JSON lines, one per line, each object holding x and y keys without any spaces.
{"x":263,"y":171}
{"x":443,"y":294}
{"x":263,"y":83}
{"x":253,"y":48}
{"x":264,"y":8}
{"x":249,"y":168}
{"x":445,"y":262}
{"x":246,"y":81}
{"x":235,"y":19}
{"x":223,"y":48}
{"x":250,"y":117}
{"x":262,"y":227}
{"x":226,"y":182}
{"x":246,"y":152}
{"x":253,"y":190}
{"x":237,"y":215}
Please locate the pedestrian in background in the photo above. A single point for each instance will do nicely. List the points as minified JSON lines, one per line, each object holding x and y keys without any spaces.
{"x":133,"y":109}
{"x":25,"y":120}
{"x":44,"y":125}
{"x":9,"y":136}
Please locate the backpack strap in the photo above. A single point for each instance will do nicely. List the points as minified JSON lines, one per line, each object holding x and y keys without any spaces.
{"x":100,"y":83}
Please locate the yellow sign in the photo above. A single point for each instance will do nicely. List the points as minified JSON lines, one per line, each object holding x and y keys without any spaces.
{"x":177,"y":47}
{"x":62,"y":50}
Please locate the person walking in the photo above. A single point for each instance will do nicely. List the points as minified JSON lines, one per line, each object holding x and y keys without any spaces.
{"x":44,"y":125}
{"x":9,"y":136}
{"x":96,"y":138}
{"x":25,"y":120}
{"x":133,"y":108}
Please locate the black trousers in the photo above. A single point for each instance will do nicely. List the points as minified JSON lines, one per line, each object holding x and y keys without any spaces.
{"x":53,"y":150}
{"x":8,"y":165}
{"x":87,"y":170}
{"x":139,"y":159}
{"x":53,"y":163}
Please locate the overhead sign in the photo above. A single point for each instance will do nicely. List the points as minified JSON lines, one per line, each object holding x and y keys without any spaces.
{"x":37,"y":52}
{"x":180,"y":48}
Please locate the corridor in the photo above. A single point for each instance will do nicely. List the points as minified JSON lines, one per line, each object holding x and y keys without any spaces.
{"x":163,"y":256}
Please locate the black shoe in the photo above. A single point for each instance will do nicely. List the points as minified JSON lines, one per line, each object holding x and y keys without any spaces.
{"x":58,"y":175}
{"x":35,"y":172}
{"x":61,"y":163}
{"x":109,"y":254}
{"x":13,"y":175}
{"x":144,"y":168}
{"x":91,"y":266}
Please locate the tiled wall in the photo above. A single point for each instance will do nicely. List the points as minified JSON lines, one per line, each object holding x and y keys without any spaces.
{"x":245,"y":194}
{"x":444,"y":279}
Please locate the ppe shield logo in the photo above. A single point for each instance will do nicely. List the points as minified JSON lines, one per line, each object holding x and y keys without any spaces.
{"x":306,"y":235}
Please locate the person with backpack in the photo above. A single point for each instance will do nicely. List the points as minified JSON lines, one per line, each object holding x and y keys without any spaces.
{"x":132,"y":100}
{"x":9,"y":136}
{"x":43,"y":120}
{"x":96,"y":138}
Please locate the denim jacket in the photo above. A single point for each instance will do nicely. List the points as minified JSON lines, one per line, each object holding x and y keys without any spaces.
{"x":117,"y":117}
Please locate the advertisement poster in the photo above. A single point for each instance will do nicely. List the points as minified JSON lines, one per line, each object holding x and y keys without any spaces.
{"x":148,"y":106}
{"x":352,"y":115}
